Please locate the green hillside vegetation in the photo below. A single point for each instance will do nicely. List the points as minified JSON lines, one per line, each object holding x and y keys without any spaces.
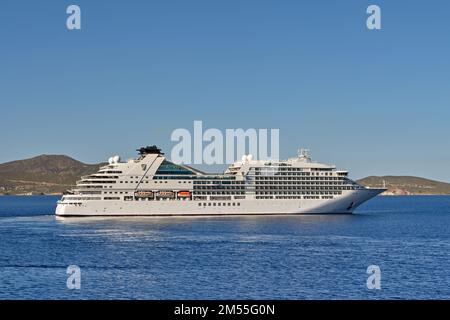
{"x":42,"y":174}
{"x":405,"y":185}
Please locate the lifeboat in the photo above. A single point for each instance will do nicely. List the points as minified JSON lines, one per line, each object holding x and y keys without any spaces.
{"x":166,"y":194}
{"x":184,"y":194}
{"x":143,"y":194}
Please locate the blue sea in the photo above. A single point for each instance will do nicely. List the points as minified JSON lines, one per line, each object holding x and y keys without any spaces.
{"x":286,"y":257}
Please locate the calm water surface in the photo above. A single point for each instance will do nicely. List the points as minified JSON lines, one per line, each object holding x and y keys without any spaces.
{"x":288,"y":257}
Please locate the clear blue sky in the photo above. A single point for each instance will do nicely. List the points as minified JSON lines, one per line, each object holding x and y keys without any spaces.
{"x":373,"y":102}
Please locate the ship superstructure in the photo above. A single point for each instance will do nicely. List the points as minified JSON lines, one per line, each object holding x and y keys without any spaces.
{"x":153,"y":185}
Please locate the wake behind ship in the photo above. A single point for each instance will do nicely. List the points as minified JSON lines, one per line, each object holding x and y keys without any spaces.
{"x":152,"y":185}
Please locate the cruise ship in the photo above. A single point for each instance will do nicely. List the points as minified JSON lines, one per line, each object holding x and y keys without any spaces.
{"x":151,"y":185}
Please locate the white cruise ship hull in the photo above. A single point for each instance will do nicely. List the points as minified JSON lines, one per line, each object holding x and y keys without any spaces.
{"x":345,"y":203}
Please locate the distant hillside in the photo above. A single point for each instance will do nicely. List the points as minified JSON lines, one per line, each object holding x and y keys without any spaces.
{"x":42,"y":174}
{"x":405,"y":185}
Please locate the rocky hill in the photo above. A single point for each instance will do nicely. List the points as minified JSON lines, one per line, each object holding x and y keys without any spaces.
{"x":407,"y":185}
{"x":42,"y":174}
